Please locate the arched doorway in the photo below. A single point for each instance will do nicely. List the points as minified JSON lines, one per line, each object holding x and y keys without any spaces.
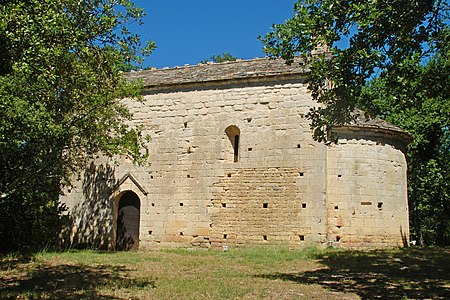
{"x":128,"y":218}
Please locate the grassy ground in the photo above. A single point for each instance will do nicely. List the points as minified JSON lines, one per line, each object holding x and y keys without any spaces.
{"x":258,"y":273}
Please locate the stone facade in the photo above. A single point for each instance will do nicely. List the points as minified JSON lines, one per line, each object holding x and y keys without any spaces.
{"x":233,"y":163}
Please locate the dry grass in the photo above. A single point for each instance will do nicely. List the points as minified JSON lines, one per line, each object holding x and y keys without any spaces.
{"x":257,"y":273}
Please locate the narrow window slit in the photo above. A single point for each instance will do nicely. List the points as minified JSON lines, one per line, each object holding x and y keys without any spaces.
{"x":236,"y":148}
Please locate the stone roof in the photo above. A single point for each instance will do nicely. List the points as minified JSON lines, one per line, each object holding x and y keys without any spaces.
{"x":360,"y":119}
{"x":230,"y":70}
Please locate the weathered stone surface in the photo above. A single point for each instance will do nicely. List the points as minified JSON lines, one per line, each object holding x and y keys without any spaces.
{"x":280,"y":187}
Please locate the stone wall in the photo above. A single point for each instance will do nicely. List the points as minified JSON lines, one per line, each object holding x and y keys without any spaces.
{"x":201,"y":194}
{"x":366,"y":189}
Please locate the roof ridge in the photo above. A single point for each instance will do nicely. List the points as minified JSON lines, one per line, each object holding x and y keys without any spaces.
{"x":238,"y":69}
{"x":238,"y":60}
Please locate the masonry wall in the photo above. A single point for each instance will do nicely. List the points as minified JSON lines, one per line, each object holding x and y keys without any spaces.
{"x":202,"y":197}
{"x":367,"y":192}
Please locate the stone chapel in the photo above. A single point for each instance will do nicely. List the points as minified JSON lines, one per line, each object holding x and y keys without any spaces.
{"x":233,"y":163}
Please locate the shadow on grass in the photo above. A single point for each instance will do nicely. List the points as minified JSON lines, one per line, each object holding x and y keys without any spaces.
{"x":391,"y":274}
{"x":69,"y":282}
{"x":12,"y":261}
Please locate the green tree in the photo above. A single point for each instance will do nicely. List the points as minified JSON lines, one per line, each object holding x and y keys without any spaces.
{"x":220,"y":58}
{"x":60,"y":91}
{"x":390,"y":58}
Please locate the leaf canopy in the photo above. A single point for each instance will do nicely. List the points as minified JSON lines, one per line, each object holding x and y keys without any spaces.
{"x":61,"y":86}
{"x":391,"y":59}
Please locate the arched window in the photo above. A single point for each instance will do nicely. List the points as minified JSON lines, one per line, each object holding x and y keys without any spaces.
{"x":233,"y":134}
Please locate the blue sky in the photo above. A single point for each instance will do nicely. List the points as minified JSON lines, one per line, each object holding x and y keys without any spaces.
{"x":188,"y":31}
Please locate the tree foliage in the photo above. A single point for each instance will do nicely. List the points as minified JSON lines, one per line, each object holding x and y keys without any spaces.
{"x":392,"y":59}
{"x":220,"y":58}
{"x":60,"y":91}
